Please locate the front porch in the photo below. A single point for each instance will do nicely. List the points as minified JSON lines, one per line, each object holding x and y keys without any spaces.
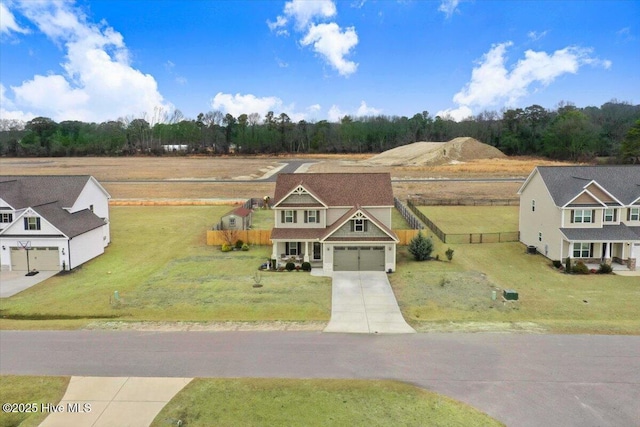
{"x":297,"y":252}
{"x":621,"y":256}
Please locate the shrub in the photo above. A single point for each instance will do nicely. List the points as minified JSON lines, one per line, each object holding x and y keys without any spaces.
{"x":605,"y":269}
{"x":306,"y":266}
{"x":421,"y":247}
{"x":239,"y":244}
{"x":245,"y":247}
{"x":567,"y":265}
{"x":449,"y":254}
{"x":557,"y":264}
{"x":225,"y":248}
{"x":290,"y":266}
{"x":580,"y":268}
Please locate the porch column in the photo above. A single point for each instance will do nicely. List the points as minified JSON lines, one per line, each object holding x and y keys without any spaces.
{"x":306,"y":251}
{"x":274,"y":251}
{"x":607,"y":253}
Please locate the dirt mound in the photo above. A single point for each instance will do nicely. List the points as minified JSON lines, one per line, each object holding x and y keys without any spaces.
{"x":457,"y":150}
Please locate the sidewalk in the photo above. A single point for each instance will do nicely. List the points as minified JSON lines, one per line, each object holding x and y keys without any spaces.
{"x":113,"y":401}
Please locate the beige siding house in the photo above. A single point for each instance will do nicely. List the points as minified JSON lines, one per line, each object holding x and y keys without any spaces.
{"x":335,"y":221}
{"x":590,"y":213}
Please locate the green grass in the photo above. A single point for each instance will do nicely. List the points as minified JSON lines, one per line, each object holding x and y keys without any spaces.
{"x":276,"y":402}
{"x":460,"y":291}
{"x":29,"y":389}
{"x":473,"y":219}
{"x":160,"y":265}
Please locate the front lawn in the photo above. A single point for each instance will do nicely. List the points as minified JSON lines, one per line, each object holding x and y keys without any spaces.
{"x":473,"y":219}
{"x":280,"y":402}
{"x":33,"y":391}
{"x":460,"y":292}
{"x":160,"y":265}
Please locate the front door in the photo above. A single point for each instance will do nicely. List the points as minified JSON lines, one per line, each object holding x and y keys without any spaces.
{"x":317,"y":251}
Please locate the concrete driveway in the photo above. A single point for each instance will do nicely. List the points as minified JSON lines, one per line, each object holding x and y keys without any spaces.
{"x":12,"y":282}
{"x":363,"y":302}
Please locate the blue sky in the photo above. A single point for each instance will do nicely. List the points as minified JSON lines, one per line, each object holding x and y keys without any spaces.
{"x":314,"y":60}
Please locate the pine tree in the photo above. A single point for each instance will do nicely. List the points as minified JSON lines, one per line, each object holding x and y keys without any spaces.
{"x":421,"y":247}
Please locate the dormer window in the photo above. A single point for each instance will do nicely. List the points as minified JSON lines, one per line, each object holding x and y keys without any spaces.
{"x":32,"y":223}
{"x":359,"y":225}
{"x":610,"y":215}
{"x":6,"y":217}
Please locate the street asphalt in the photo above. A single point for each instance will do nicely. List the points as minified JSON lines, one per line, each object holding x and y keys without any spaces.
{"x":520,"y":379}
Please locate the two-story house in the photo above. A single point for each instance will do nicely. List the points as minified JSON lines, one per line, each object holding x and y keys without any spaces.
{"x":52,"y":222}
{"x":588,"y":213}
{"x":337,"y":221}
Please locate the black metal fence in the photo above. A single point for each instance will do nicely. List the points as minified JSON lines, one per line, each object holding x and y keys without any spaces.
{"x":408,"y":215}
{"x":508,"y":236}
{"x":419,"y":201}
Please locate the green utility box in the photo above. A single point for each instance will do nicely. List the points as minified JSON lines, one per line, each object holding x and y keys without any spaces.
{"x":510,"y":295}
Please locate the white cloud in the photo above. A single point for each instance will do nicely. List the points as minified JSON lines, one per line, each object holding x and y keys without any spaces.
{"x":365,"y":110}
{"x":328,"y":40}
{"x":333,"y":44}
{"x":8,"y":22}
{"x":335,"y":113}
{"x":493,"y":84}
{"x":302,"y":12}
{"x":98,"y":82}
{"x":535,"y":36}
{"x":245,"y":104}
{"x":457,"y":114}
{"x":448,"y":7}
{"x":8,"y":110}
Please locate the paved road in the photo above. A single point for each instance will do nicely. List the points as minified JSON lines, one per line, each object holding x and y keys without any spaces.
{"x":520,"y":379}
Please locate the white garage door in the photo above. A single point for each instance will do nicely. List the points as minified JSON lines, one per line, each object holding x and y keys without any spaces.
{"x":41,"y":259}
{"x":358,"y":258}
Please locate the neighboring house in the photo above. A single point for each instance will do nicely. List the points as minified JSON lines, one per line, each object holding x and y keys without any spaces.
{"x":337,"y":221}
{"x":63,"y":220}
{"x":589,"y":213}
{"x":237,"y":219}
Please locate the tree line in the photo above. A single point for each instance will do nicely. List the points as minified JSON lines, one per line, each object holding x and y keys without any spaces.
{"x":566,"y":133}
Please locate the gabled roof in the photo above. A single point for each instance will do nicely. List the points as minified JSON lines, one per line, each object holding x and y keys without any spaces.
{"x":565,"y":183}
{"x":240,"y":211}
{"x":339,"y":189}
{"x":49,"y":195}
{"x":349,"y":215}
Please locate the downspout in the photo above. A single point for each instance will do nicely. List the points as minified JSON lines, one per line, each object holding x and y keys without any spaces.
{"x":69,"y":253}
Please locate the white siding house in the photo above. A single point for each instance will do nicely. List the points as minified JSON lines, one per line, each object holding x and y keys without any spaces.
{"x":52,"y":222}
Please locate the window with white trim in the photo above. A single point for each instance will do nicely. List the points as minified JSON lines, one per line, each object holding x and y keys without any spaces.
{"x":292,"y":248}
{"x":540,"y":236}
{"x":358,"y":225}
{"x":232,"y":221}
{"x":32,"y":223}
{"x":6,"y":217}
{"x":533,"y":206}
{"x":610,"y":215}
{"x":289,"y":216}
{"x":582,"y":250}
{"x":582,"y":216}
{"x":312,"y":216}
{"x":634,"y":214}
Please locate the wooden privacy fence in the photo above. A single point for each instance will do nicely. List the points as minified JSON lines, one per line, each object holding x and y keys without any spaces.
{"x":263,"y":237}
{"x":250,"y":237}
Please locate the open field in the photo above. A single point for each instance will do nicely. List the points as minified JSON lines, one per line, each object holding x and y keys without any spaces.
{"x":164,"y":271}
{"x":225,"y":402}
{"x":441,"y":295}
{"x":473,"y":219}
{"x":29,"y":390}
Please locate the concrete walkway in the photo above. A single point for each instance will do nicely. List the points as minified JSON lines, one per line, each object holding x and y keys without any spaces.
{"x":113,"y":401}
{"x":13,"y":282}
{"x":363,"y":302}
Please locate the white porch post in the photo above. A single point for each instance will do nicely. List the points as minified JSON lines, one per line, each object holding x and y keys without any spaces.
{"x":306,"y":251}
{"x":274,"y":251}
{"x":607,"y":250}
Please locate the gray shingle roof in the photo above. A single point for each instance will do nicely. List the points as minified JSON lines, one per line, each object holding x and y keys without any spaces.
{"x":607,"y":233}
{"x":566,"y":182}
{"x":48,"y":195}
